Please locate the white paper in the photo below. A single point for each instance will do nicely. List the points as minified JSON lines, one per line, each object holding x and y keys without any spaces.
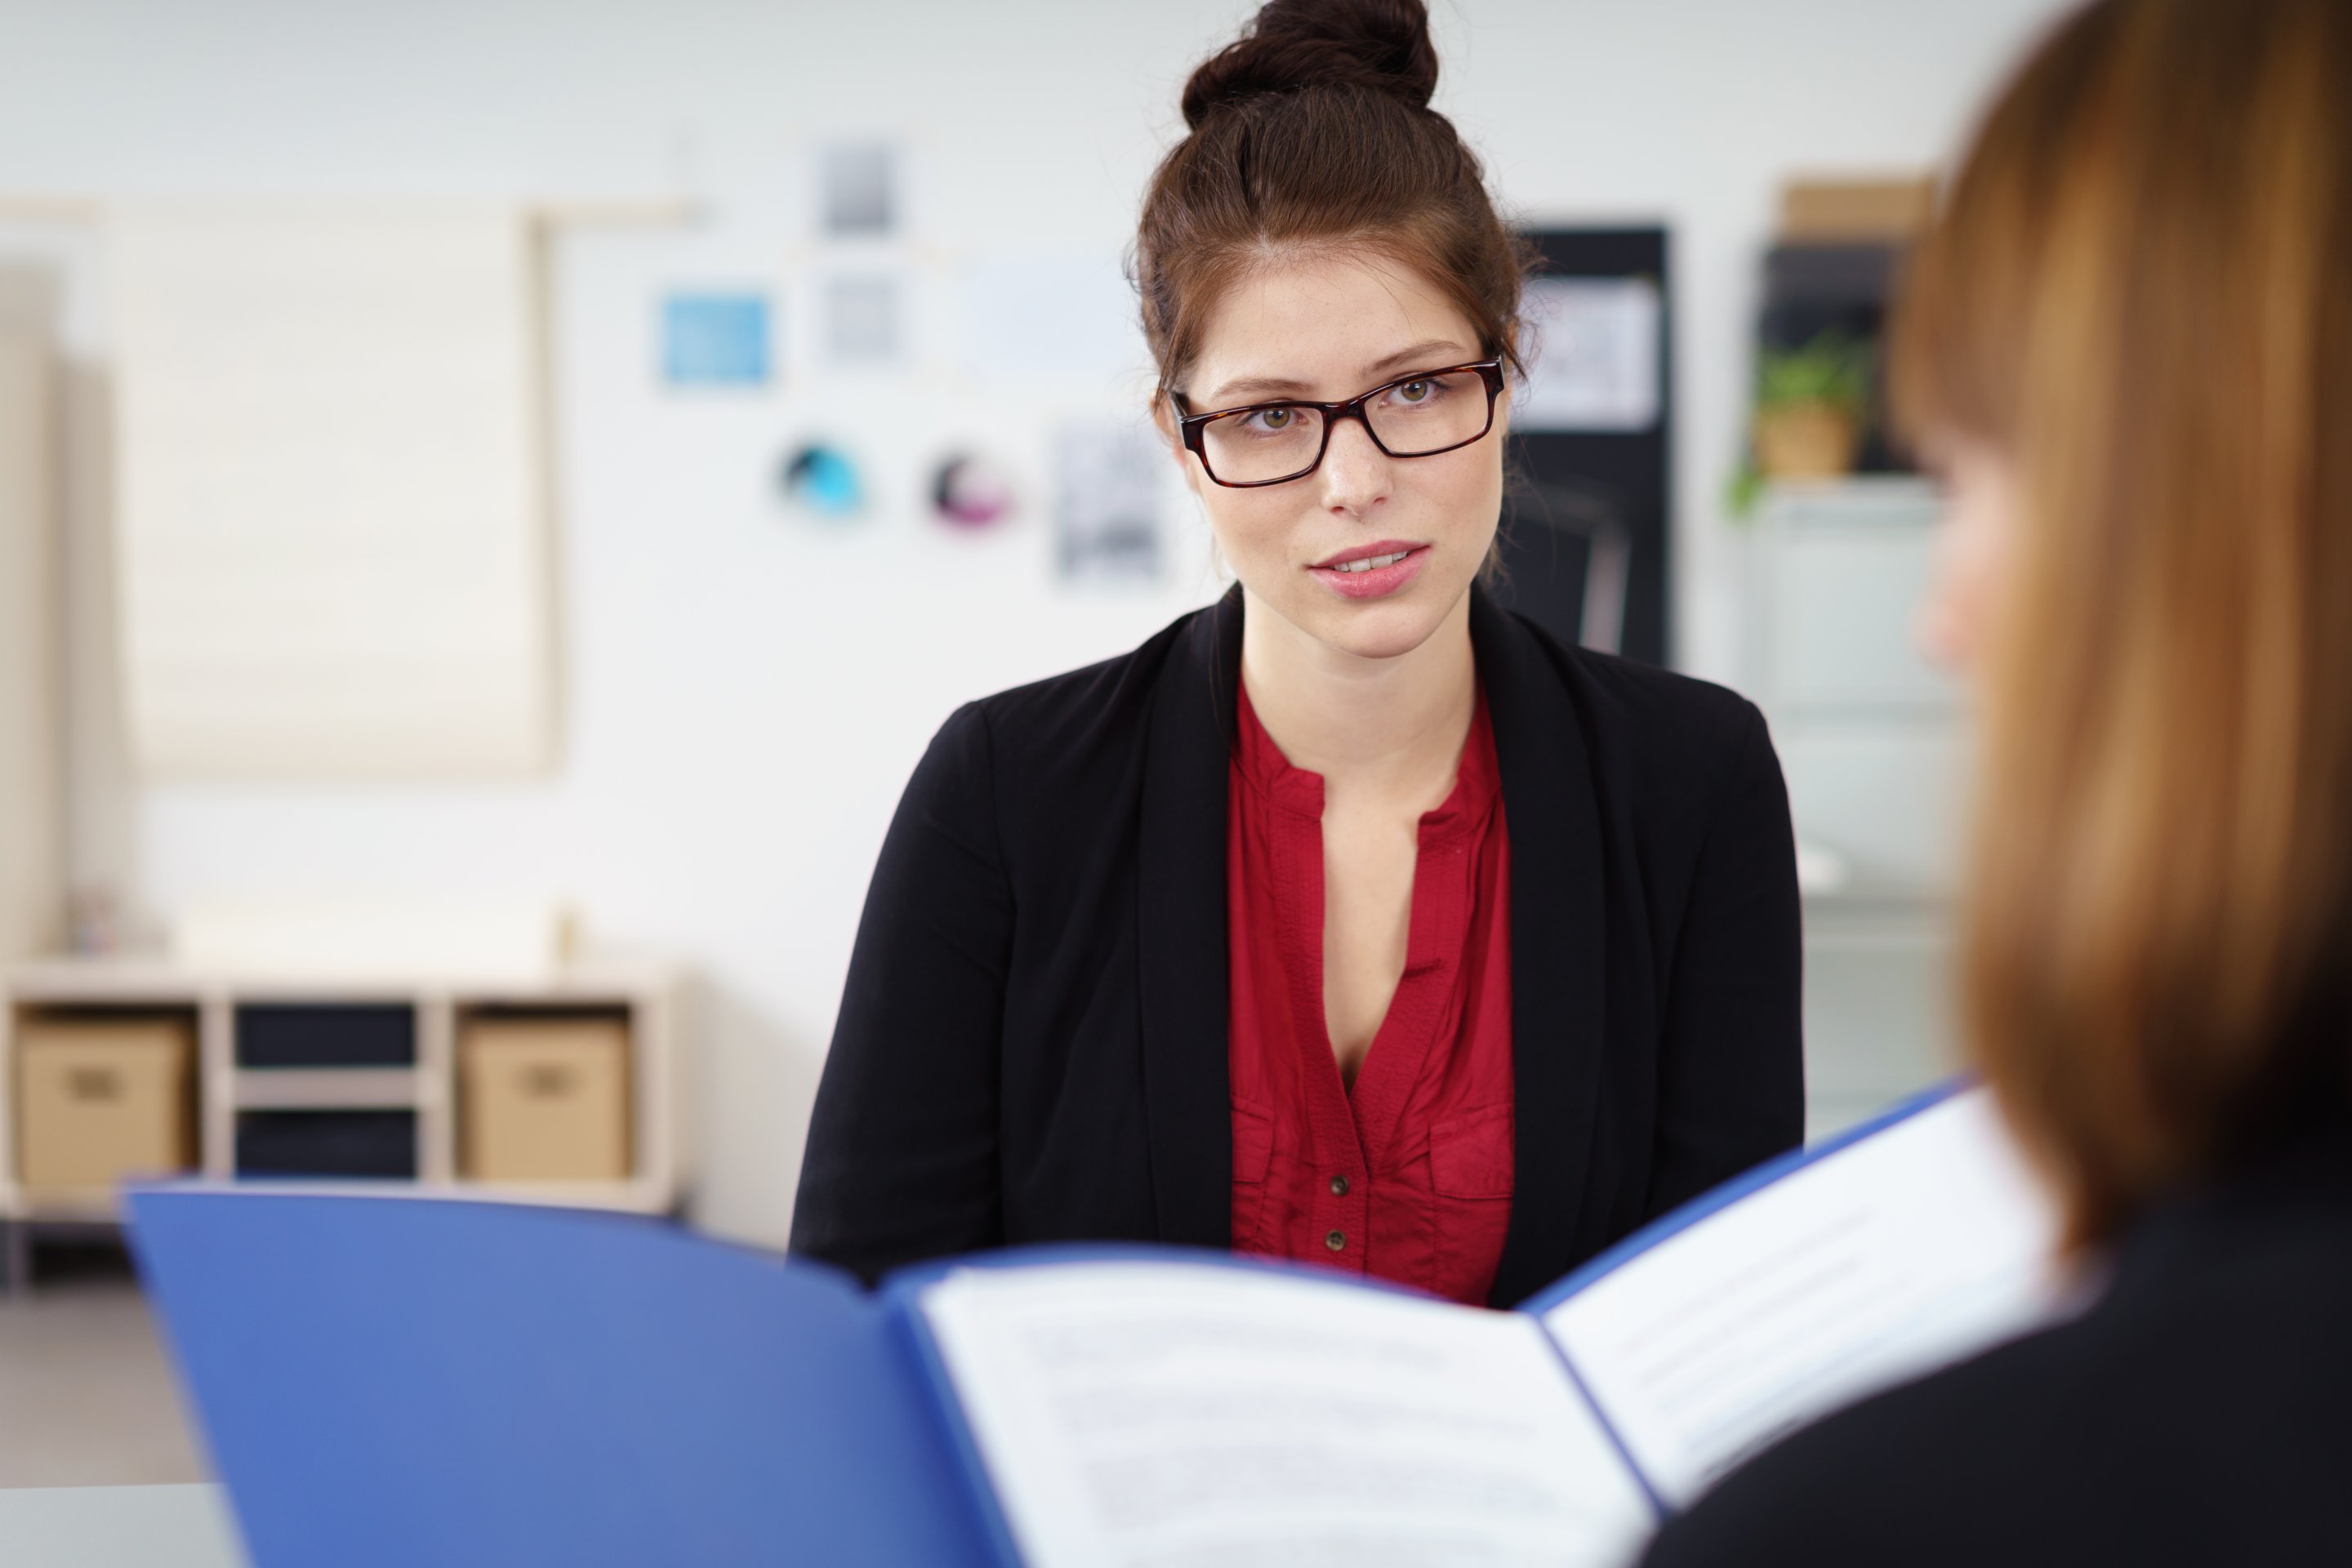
{"x":1107,"y":502}
{"x":863,"y":317}
{"x":1596,"y":360}
{"x":1175,"y":1415}
{"x":1911,"y":1250}
{"x":1053,"y":315}
{"x":333,"y":530}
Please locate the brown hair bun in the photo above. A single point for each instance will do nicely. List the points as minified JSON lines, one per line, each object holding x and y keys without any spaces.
{"x":1370,"y":45}
{"x":1314,"y":126}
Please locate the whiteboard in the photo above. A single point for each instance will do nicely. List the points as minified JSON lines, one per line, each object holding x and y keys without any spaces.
{"x":334,"y":551}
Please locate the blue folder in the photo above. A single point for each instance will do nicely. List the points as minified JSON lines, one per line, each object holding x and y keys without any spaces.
{"x":393,"y":1380}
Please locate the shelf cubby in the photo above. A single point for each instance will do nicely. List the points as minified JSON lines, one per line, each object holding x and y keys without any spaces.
{"x":313,"y":1079}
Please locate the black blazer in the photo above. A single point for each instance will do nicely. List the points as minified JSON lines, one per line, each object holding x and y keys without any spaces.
{"x":1032,"y":1045}
{"x":2200,"y":1414}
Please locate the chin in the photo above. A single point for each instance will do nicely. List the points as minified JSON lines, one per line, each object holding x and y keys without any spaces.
{"x":1381,"y":629}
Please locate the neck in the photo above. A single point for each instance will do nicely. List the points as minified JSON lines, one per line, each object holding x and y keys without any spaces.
{"x":1372,"y":721}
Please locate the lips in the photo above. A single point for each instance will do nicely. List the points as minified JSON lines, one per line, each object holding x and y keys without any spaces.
{"x":1370,"y":563}
{"x":1379,"y":550}
{"x":1370,"y":571}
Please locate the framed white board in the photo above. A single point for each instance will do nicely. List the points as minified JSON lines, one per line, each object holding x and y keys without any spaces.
{"x":331,"y":487}
{"x":32,"y":763}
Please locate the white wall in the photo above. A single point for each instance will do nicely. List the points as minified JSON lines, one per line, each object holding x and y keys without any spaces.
{"x":744,"y":693}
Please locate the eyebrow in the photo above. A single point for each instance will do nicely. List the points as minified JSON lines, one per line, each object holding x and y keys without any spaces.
{"x":1242,"y":388}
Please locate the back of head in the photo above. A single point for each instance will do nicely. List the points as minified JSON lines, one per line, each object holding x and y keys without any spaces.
{"x":1313,"y":129}
{"x":2139,"y":293}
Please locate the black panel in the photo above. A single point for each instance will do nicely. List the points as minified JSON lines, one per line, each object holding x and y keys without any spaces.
{"x":1574,"y":488}
{"x":309,"y":1035}
{"x":327,"y":1143}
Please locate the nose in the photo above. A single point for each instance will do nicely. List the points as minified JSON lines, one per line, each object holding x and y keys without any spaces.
{"x":1355,"y":471}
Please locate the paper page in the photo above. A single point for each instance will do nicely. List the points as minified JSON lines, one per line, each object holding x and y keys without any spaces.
{"x":1596,"y":362}
{"x":1184,"y":1416}
{"x":1912,"y":1248}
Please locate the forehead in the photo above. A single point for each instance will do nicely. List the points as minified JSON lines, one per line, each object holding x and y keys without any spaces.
{"x":1322,"y":323}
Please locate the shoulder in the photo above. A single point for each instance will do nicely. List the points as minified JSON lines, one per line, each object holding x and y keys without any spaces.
{"x":1925,"y":1474}
{"x":1626,"y":700}
{"x":1677,"y":745}
{"x":1677,"y":717}
{"x":1082,"y":704}
{"x":1070,"y":729}
{"x":2157,"y":1431}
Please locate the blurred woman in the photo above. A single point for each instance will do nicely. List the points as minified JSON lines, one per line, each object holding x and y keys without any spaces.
{"x":2129,"y":342}
{"x":1352,"y":919}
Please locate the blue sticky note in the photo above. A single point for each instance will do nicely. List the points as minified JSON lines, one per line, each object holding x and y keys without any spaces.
{"x":715,"y":340}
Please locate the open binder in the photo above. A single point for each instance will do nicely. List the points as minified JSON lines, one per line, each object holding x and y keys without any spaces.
{"x":398,"y":1380}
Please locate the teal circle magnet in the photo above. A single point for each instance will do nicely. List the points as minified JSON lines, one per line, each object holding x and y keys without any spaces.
{"x":820,"y":479}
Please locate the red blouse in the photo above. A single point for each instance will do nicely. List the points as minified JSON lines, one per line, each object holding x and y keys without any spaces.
{"x":1408,"y":1177}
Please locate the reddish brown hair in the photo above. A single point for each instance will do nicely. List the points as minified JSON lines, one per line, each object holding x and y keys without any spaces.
{"x":2140,"y":291}
{"x":1314,"y":129}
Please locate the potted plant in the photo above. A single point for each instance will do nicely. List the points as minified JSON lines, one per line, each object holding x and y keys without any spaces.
{"x":1810,"y":406}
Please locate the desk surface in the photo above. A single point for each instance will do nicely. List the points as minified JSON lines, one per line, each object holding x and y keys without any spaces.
{"x":118,"y":1527}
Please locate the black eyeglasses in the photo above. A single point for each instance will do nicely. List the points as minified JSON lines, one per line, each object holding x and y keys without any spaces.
{"x":1416,"y":415}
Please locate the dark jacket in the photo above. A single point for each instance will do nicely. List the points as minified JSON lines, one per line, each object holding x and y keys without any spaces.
{"x":1032,"y":1042}
{"x":2200,"y":1414}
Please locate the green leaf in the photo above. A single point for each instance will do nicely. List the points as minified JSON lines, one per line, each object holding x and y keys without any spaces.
{"x":1833,"y":368}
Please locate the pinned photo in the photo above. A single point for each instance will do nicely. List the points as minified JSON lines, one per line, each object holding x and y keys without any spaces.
{"x":861,"y":189}
{"x":715,"y":340}
{"x":1107,"y":503}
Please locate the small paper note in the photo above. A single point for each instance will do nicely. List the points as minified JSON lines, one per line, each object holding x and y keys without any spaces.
{"x":1596,"y":360}
{"x":1054,"y":314}
{"x":861,"y":320}
{"x":860,"y":182}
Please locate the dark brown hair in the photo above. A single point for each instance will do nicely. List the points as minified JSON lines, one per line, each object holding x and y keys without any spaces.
{"x":1314,"y":129}
{"x":2139,"y":292}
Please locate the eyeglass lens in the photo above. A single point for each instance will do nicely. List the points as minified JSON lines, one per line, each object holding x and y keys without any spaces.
{"x":1411,"y":418}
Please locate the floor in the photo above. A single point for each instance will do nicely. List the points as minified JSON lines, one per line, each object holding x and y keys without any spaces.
{"x":87,"y":1396}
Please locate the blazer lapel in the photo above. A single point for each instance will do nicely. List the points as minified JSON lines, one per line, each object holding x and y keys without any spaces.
{"x":1557,"y":937}
{"x":1180,"y":923}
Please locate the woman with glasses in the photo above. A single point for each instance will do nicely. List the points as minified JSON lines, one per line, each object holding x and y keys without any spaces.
{"x":1352,"y":920}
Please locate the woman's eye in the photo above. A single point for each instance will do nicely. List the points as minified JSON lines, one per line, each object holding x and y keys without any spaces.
{"x":1416,"y":391}
{"x":1276,"y":419}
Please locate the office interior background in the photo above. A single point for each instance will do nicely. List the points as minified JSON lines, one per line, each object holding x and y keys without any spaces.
{"x":781,"y":265}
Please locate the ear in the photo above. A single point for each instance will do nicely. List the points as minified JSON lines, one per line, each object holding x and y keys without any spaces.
{"x":1510,"y":382}
{"x":1163,"y":419}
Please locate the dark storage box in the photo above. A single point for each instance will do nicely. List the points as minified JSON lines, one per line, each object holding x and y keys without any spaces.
{"x":311,"y":1035}
{"x":331,"y":1143}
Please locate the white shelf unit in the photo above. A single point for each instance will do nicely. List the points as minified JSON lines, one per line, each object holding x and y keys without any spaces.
{"x":1874,"y":740}
{"x":648,"y":994}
